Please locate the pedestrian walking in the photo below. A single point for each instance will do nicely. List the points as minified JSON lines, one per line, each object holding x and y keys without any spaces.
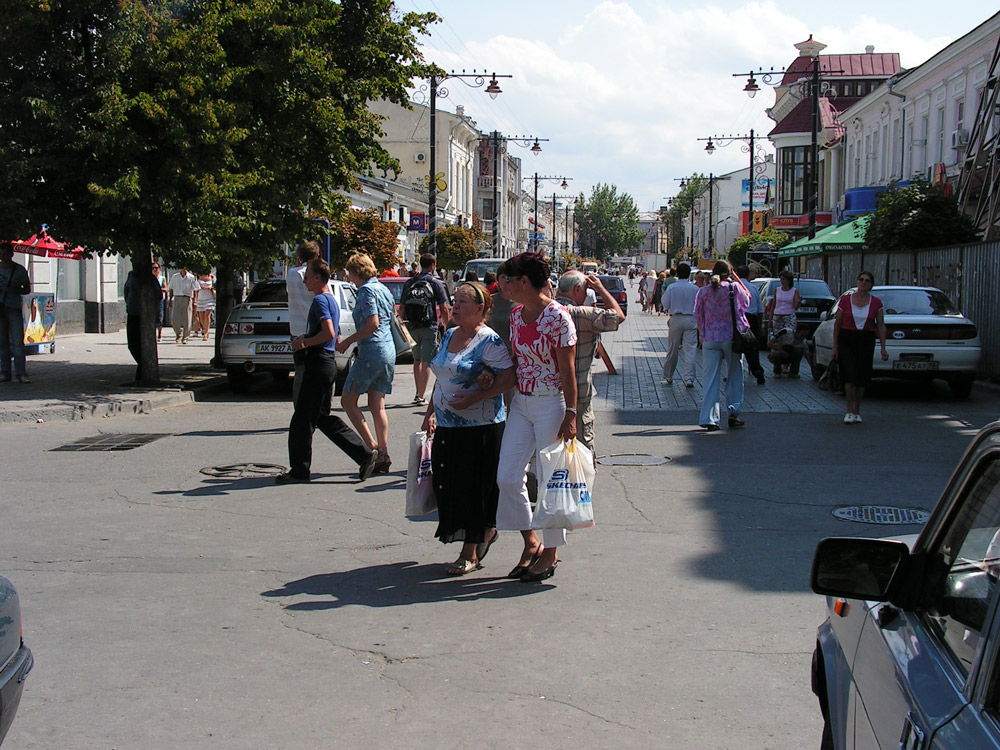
{"x":544,"y":340}
{"x":682,"y":333}
{"x":590,"y":323}
{"x":300,"y":300}
{"x":859,"y":317}
{"x":161,"y":308}
{"x":423,"y":301}
{"x":467,"y":423}
{"x":312,"y":408}
{"x":14,"y":284}
{"x":755,"y":314}
{"x":181,"y":293}
{"x":375,"y":365}
{"x":713,"y":313}
{"x":205,"y":302}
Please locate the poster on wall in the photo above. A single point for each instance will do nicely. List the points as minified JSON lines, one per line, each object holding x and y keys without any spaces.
{"x":763,"y":194}
{"x":39,"y":312}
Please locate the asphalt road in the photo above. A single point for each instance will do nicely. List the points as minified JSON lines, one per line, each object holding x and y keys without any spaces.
{"x":170,"y":608}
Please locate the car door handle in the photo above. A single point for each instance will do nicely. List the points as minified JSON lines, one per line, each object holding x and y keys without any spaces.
{"x":912,"y":736}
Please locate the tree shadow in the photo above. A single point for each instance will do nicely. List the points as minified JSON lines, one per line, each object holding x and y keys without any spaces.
{"x":397,"y":584}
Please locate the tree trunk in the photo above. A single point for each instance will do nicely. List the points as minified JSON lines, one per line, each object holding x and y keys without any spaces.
{"x":142,"y":267}
{"x":224,"y":304}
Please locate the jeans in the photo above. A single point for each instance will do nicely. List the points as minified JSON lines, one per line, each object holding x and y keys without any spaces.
{"x":312,"y":410}
{"x":719,"y":366}
{"x":12,"y":341}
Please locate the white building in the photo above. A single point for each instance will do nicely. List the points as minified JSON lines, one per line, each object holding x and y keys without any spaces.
{"x":719,"y":220}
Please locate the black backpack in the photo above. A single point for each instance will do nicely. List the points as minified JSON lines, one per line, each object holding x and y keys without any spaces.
{"x":418,"y":304}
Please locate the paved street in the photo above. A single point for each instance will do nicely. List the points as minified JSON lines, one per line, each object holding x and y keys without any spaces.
{"x":170,"y":604}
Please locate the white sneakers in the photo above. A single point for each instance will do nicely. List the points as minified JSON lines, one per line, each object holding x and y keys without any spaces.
{"x":852,"y":418}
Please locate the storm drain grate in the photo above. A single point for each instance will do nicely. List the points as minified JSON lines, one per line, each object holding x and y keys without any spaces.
{"x":112,"y":442}
{"x":633,"y":459}
{"x":881,"y":514}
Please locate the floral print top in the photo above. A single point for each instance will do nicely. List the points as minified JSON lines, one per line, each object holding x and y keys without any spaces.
{"x":534,"y":345}
{"x":713,"y":315}
{"x":456,"y":373}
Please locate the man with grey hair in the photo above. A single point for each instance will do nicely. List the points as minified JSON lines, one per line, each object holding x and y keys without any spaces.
{"x":590,"y":322}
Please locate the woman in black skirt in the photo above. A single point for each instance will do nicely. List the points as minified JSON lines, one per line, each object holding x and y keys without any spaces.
{"x":467,"y":424}
{"x":859,"y":318}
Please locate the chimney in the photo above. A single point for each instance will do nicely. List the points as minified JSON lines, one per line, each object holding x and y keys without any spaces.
{"x":460,"y":110}
{"x":869,"y":49}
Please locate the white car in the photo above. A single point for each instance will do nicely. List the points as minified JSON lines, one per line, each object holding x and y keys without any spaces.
{"x":927,"y":338}
{"x":257,"y":337}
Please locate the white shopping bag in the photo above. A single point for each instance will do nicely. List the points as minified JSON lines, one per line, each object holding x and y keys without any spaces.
{"x":566,"y":478}
{"x":420,"y":498}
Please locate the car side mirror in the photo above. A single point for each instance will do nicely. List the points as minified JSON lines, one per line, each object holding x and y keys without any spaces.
{"x":858,"y":568}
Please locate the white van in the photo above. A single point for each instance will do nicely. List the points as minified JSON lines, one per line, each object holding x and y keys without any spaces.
{"x":481,"y":266}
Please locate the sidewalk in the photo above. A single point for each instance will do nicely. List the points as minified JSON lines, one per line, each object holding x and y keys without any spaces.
{"x":91,"y":374}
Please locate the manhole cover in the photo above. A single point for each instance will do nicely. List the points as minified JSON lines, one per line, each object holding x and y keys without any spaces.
{"x":633,"y":459}
{"x":241,"y":471}
{"x":111,"y":442}
{"x":881,"y":514}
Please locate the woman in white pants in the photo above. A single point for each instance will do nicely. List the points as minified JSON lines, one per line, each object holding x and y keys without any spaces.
{"x":543,"y":338}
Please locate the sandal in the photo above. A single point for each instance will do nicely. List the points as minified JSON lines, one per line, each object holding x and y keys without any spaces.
{"x":461,"y":567}
{"x":519,"y":570}
{"x":484,"y":547}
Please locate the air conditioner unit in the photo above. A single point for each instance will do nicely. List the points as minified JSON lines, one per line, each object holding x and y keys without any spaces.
{"x":959,"y":138}
{"x":420,"y":157}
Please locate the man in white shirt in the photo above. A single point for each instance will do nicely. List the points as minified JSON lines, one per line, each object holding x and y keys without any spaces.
{"x":182,"y":292}
{"x":678,"y":301}
{"x":299,"y":301}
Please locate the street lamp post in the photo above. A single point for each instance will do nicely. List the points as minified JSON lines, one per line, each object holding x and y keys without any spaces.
{"x":499,"y":144}
{"x":771,"y":78}
{"x":436,"y":79}
{"x":758,"y":167}
{"x":537,"y":178}
{"x":683,"y":184}
{"x":555,"y":218}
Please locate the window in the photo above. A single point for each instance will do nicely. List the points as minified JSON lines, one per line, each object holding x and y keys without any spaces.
{"x":963,"y":571}
{"x":848,"y":88}
{"x":894,"y":155}
{"x":959,"y":114}
{"x":925,"y":134}
{"x":794,"y":168}
{"x":940,"y":135}
{"x":884,"y":154}
{"x":908,"y":152}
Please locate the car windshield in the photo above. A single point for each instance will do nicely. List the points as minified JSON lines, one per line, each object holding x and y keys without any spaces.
{"x":915,"y":302}
{"x":806,"y":287}
{"x":395,"y":286}
{"x":268,"y":292}
{"x":612,"y":282}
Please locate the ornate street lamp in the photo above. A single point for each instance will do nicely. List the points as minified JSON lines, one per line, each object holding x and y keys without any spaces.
{"x":500,"y":146}
{"x":758,"y":165}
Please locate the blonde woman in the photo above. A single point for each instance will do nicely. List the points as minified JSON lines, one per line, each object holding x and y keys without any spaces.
{"x":375,"y":366}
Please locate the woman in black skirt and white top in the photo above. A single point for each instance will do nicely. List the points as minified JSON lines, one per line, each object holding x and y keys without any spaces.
{"x":859,"y":318}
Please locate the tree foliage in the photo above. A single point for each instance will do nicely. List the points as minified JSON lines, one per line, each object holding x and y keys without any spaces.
{"x":917,"y":216}
{"x":364,"y":232}
{"x":455,"y":246}
{"x":770,"y":239}
{"x":676,"y":216}
{"x":607,"y":223}
{"x":206,"y":130}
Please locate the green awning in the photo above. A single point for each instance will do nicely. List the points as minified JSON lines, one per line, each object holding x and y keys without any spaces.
{"x":847,"y":235}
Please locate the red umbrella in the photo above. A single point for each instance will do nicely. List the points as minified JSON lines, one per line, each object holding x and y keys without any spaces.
{"x":44,"y":246}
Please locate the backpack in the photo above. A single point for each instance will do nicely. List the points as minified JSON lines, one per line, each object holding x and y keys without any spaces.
{"x":418,"y":304}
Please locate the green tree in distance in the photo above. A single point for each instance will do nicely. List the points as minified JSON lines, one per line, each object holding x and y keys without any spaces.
{"x":917,"y":216}
{"x":455,"y":246}
{"x":676,"y":216}
{"x":205,"y":130}
{"x":608,"y":223}
{"x":364,"y":232}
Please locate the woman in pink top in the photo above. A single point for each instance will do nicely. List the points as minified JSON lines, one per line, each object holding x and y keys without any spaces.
{"x":713,"y":314}
{"x":543,"y":338}
{"x":786,"y":301}
{"x":859,"y":318}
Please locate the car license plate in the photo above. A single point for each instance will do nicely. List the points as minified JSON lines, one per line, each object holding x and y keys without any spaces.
{"x":901,"y":365}
{"x":274,"y":347}
{"x":806,"y":310}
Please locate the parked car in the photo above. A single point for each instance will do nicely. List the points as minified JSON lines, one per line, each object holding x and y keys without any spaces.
{"x":927,"y":338}
{"x":616,"y":285}
{"x":909,"y":655}
{"x":481,"y":266}
{"x":257,"y":337}
{"x":16,"y":660}
{"x":817,"y":298}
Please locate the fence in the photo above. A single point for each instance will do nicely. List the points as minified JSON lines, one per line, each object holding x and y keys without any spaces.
{"x":968,"y":274}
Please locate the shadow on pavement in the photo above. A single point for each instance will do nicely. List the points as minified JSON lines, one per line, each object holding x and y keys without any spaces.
{"x":397,"y":585}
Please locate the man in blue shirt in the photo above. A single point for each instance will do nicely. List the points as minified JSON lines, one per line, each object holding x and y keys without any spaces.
{"x":312,"y":407}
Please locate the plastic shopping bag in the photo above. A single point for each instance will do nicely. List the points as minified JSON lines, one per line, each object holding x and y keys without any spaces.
{"x":420,"y":498}
{"x":566,"y":478}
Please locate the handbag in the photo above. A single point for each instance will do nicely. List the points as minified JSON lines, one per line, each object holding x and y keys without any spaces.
{"x":566,"y":483}
{"x":401,"y":338}
{"x":420,"y":497}
{"x":743,"y":341}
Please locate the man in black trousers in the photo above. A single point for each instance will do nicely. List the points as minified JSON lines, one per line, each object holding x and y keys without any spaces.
{"x":312,"y":407}
{"x":755,"y":315}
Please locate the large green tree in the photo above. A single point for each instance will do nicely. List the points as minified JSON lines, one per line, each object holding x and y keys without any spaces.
{"x":677,"y":215}
{"x":608,"y":223}
{"x":455,"y":245}
{"x":917,"y":216}
{"x":203,"y":130}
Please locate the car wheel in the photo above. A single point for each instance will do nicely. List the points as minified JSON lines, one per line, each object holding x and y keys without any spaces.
{"x":279,"y":376}
{"x":961,"y":386}
{"x":239,"y":379}
{"x":338,"y":384}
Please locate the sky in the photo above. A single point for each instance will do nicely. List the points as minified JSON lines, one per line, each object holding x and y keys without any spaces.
{"x":624,"y":89}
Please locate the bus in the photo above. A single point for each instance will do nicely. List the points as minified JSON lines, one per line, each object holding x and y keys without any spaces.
{"x":589,"y":266}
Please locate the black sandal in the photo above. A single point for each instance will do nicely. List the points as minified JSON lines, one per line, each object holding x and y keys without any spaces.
{"x":519,"y":570}
{"x":483,"y":547}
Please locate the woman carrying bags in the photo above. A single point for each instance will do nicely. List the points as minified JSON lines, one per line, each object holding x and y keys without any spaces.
{"x":859,"y":318}
{"x":468,"y":424}
{"x":543,"y":338}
